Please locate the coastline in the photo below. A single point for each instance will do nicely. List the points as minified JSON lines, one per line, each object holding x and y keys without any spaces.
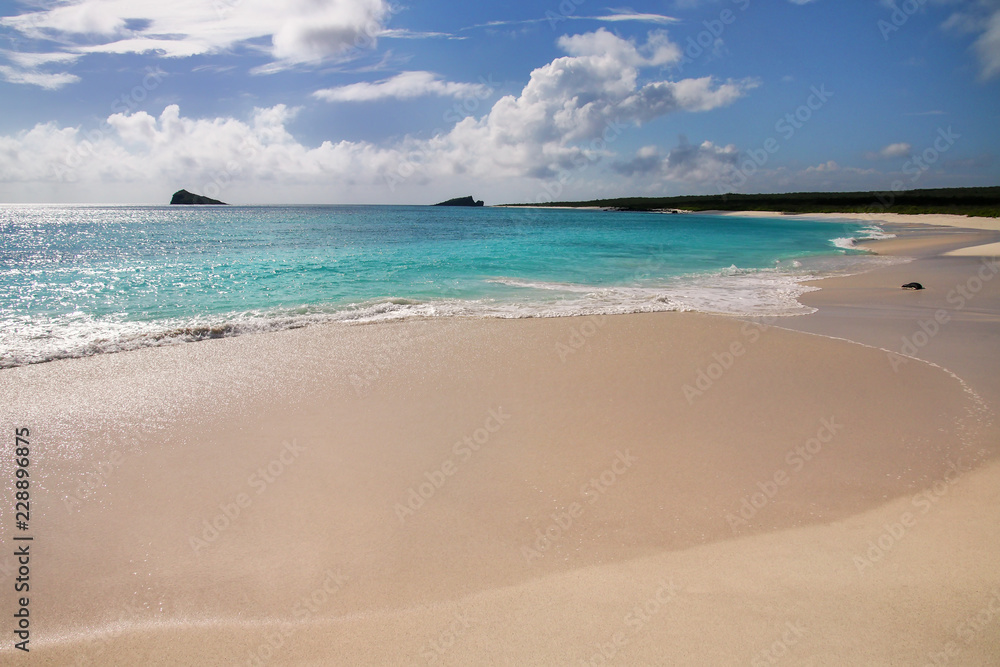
{"x":509,"y":421}
{"x":899,"y":221}
{"x":936,"y":219}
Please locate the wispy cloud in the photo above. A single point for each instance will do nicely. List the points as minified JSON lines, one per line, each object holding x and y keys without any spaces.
{"x":406,"y":85}
{"x":615,"y":17}
{"x":294,"y":33}
{"x":36,"y":78}
{"x":28,"y":68}
{"x":988,"y":47}
{"x":400,"y":33}
{"x":32,"y":60}
{"x":634,"y":16}
{"x":980,"y":17}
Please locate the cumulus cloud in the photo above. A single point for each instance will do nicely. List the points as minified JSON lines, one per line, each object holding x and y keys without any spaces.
{"x":829,"y":165}
{"x":569,"y":114}
{"x":686,"y":162}
{"x":137,"y":147}
{"x":576,"y":97}
{"x":702,"y":163}
{"x":897,"y":150}
{"x":647,"y":160}
{"x":405,"y":85}
{"x":298,"y":31}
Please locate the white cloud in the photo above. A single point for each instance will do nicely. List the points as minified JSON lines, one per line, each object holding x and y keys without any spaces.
{"x":135,"y":147}
{"x":980,"y":17}
{"x":33,"y":60}
{"x":658,"y":50}
{"x":299,"y":31}
{"x":553,"y":19}
{"x":634,"y":16}
{"x":28,"y":68}
{"x":568,"y":115}
{"x":829,"y":165}
{"x":400,"y":33}
{"x":897,"y":150}
{"x":988,"y":47}
{"x":705,"y":163}
{"x":33,"y":77}
{"x":578,"y":98}
{"x":405,"y":85}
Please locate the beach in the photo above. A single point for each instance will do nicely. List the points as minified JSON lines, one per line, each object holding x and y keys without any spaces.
{"x":653,"y":488}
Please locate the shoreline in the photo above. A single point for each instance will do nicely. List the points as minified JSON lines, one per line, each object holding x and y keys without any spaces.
{"x":565,"y":471}
{"x":936,"y":219}
{"x":760,"y":293}
{"x":902,"y":221}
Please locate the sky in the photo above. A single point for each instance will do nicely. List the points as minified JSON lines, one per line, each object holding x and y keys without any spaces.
{"x":369,"y":101}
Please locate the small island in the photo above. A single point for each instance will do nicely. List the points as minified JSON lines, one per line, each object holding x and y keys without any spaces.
{"x":184,"y":197}
{"x":461,"y":201}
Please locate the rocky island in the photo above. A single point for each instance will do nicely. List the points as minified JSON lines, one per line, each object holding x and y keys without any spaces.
{"x":461,"y":201}
{"x":188,"y":198}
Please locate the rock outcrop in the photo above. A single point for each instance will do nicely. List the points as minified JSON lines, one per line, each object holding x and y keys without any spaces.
{"x":461,"y":201}
{"x":185,"y":197}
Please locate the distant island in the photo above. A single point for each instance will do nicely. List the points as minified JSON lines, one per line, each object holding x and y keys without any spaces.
{"x":959,"y":201}
{"x":461,"y":201}
{"x":189,"y":198}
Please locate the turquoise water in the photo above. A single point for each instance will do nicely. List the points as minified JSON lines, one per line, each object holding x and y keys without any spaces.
{"x":77,"y":280}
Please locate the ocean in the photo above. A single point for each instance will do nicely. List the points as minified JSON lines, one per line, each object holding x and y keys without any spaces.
{"x":77,"y":280}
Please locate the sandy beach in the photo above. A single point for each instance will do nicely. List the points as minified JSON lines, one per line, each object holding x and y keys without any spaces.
{"x":650,"y":489}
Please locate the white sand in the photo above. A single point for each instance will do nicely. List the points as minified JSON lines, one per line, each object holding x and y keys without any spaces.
{"x":986,"y":250}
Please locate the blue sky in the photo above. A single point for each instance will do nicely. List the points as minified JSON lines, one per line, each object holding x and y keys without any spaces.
{"x":363,"y":101}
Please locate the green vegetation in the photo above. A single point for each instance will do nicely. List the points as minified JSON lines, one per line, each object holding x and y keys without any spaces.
{"x":958,"y":201}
